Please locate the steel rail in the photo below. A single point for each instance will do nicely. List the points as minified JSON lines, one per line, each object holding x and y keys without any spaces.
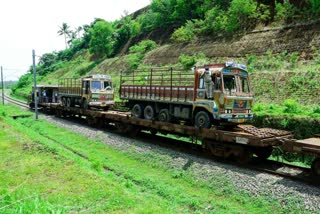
{"x":16,"y":102}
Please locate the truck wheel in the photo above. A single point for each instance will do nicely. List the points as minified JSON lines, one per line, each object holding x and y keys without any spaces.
{"x":68,"y":102}
{"x":137,"y":111}
{"x":202,"y":120}
{"x":148,"y":113}
{"x":164,"y":115}
{"x":64,"y":101}
{"x":85,"y":104}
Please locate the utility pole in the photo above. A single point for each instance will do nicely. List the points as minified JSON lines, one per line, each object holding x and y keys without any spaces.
{"x":2,"y":86}
{"x":35,"y":84}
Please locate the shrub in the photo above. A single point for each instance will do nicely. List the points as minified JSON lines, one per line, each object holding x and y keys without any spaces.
{"x":315,"y":6}
{"x":187,"y":61}
{"x":291,"y":106}
{"x":284,"y":10}
{"x":184,"y":33}
{"x":137,"y":52}
{"x":134,"y":60}
{"x":316,"y":110}
{"x":143,"y":47}
{"x":241,"y":13}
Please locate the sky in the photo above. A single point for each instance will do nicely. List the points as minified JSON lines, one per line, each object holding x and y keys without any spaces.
{"x":33,"y":24}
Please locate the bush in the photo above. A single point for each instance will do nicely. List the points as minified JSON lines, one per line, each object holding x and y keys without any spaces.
{"x":137,"y":53}
{"x":143,"y":47}
{"x":283,"y":10}
{"x":241,"y":14}
{"x":315,"y":6}
{"x":184,"y":33}
{"x":292,"y":107}
{"x":187,"y":61}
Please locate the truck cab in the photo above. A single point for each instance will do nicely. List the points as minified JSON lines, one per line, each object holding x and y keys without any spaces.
{"x":92,"y":91}
{"x":232,"y":95}
{"x":98,"y":91}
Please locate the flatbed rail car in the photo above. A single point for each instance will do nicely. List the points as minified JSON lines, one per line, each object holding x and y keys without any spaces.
{"x":237,"y":143}
{"x":241,"y":143}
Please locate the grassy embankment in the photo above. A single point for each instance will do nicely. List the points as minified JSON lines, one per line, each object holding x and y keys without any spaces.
{"x":40,"y":172}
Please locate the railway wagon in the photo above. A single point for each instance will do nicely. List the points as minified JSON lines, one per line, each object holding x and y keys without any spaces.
{"x":91,"y":91}
{"x":169,"y":95}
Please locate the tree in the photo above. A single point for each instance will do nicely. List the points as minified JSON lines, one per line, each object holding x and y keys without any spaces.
{"x":64,"y":30}
{"x":101,"y":42}
{"x":78,"y":31}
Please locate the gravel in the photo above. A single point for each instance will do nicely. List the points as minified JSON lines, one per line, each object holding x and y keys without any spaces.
{"x":255,"y":183}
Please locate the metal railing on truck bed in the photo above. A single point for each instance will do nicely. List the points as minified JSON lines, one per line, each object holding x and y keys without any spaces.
{"x":70,"y":86}
{"x":163,"y":84}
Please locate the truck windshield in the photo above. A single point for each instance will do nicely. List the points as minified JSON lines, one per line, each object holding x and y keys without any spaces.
{"x":229,"y":84}
{"x":96,"y":85}
{"x":107,"y":85}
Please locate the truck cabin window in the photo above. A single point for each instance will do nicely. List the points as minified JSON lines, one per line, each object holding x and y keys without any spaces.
{"x":107,"y":85}
{"x":217,"y":83}
{"x":96,"y":85}
{"x":229,"y":84}
{"x":245,"y":85}
{"x":201,"y":83}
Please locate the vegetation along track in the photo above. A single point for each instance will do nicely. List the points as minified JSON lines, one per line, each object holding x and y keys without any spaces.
{"x":295,"y":173}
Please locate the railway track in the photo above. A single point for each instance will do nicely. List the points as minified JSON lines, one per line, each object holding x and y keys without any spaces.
{"x":296,"y":173}
{"x":16,"y":102}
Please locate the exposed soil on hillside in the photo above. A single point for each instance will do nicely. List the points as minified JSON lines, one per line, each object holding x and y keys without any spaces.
{"x":302,"y":38}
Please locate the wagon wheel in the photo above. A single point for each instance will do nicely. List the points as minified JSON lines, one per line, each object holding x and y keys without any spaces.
{"x":137,"y":111}
{"x":164,"y":115}
{"x":202,"y":119}
{"x":153,"y":131}
{"x":315,"y":167}
{"x":263,"y":153}
{"x":244,"y":157}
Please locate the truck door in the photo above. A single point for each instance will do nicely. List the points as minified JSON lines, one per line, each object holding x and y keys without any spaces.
{"x":201,"y":89}
{"x":85,"y":87}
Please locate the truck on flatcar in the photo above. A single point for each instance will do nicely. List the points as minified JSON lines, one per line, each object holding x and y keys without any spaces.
{"x":92,"y":91}
{"x":45,"y":94}
{"x":170,"y":95}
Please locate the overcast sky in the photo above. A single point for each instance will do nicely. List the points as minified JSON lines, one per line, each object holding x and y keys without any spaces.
{"x":33,"y":24}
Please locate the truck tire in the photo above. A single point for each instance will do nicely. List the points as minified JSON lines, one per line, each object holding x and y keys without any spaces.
{"x":149,"y":112}
{"x":64,"y":101}
{"x":202,"y":119}
{"x":69,"y":102}
{"x":137,"y":111}
{"x":164,"y":115}
{"x":85,"y":104}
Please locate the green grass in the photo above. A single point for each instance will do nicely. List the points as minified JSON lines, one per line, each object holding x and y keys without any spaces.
{"x":38,"y":174}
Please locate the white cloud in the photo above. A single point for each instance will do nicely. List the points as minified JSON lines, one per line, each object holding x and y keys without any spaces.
{"x":33,"y":24}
